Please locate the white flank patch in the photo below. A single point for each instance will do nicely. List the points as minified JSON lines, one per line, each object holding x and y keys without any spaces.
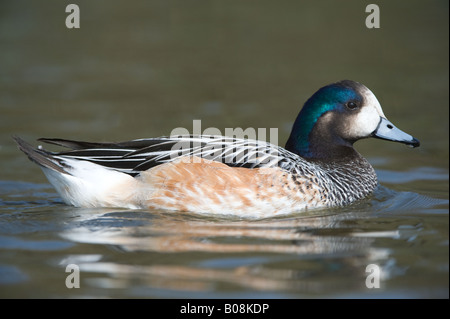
{"x":91,"y":185}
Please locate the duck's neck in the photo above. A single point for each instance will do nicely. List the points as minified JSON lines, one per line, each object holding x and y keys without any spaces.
{"x":321,"y":143}
{"x":340,"y":162}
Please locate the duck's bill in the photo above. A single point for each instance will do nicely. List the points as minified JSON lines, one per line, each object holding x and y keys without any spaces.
{"x":387,"y":131}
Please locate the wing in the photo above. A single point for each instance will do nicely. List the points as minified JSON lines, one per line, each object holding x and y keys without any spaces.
{"x":135,"y":156}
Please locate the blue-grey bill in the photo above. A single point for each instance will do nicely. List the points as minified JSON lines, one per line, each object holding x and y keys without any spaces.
{"x":387,"y":131}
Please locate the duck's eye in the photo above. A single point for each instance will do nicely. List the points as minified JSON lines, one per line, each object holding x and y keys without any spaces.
{"x":352,"y":105}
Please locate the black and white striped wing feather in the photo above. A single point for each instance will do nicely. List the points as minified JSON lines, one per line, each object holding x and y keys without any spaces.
{"x":139,"y":155}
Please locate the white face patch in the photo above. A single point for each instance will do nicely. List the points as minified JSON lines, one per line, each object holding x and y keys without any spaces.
{"x":368,"y":118}
{"x":371,"y":99}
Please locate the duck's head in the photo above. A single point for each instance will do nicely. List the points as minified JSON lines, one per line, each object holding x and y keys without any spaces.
{"x":338,"y":115}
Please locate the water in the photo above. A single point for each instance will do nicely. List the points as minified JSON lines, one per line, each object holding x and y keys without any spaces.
{"x":125,"y":253}
{"x":143,"y":70}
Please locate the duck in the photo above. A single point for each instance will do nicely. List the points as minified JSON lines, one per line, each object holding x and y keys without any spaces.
{"x":318,"y":168}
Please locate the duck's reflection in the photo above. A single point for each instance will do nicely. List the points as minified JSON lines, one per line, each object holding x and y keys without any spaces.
{"x":133,"y":231}
{"x":184,"y":252}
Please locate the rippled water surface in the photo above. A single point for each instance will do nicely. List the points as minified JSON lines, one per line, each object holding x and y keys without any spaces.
{"x":143,"y":69}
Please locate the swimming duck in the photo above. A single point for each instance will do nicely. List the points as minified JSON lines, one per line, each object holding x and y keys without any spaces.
{"x":230,"y":176}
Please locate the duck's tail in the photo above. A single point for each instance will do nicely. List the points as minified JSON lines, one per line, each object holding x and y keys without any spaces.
{"x":82,"y":183}
{"x":40,"y":156}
